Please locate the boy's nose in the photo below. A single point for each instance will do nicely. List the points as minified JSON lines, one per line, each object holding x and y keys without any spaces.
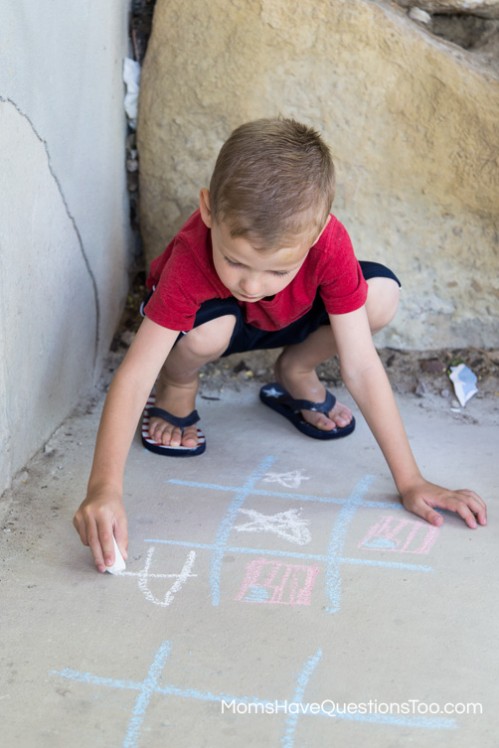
{"x":250,"y":285}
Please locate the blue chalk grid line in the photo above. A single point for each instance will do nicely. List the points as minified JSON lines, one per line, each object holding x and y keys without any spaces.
{"x":301,"y":683}
{"x":338,"y":535}
{"x":149,"y":687}
{"x":334,"y":557}
{"x":227,"y":524}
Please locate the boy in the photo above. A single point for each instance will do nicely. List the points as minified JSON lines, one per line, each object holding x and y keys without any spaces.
{"x":261,"y":264}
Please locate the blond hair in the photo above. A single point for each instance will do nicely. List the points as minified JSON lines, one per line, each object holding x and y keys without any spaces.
{"x":273,"y":179}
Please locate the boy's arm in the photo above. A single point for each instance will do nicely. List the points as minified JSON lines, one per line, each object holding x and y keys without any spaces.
{"x":366,"y":380}
{"x":102,"y":513}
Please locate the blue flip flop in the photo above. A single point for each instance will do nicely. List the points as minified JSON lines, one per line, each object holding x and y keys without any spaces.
{"x":151,"y":411}
{"x":277,"y":398}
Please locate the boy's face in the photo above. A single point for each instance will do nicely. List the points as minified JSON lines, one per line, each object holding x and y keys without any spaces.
{"x":249,"y":274}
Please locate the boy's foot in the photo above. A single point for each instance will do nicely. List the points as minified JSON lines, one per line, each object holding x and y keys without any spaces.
{"x":277,"y":398}
{"x":179,"y":401}
{"x":307,"y":386}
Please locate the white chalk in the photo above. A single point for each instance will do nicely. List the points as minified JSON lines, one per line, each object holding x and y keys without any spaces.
{"x":119,"y":562}
{"x":417,"y":14}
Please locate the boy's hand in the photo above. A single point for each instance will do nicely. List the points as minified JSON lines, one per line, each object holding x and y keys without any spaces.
{"x":99,"y":517}
{"x":423,"y":498}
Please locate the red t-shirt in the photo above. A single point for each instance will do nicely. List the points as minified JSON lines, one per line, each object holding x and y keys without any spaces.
{"x":185,"y":277}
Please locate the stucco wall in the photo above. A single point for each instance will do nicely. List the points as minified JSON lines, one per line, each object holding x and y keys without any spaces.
{"x":64,"y":236}
{"x":411,"y":120}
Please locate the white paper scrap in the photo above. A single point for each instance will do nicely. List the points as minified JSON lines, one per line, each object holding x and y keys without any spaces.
{"x":131,"y":77}
{"x":464,"y":381}
{"x":119,"y":562}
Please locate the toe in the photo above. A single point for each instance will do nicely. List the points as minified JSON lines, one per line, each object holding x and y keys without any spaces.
{"x":160,"y":431}
{"x":155,"y":429}
{"x":187,"y":437}
{"x":340,"y":416}
{"x":190,"y":437}
{"x":173,"y":438}
{"x":319,"y":420}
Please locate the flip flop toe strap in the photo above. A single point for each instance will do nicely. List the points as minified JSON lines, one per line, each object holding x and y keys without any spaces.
{"x":189,"y":420}
{"x":298,"y":405}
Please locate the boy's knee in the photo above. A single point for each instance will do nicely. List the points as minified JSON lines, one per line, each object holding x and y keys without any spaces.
{"x":382,"y":301}
{"x":211,"y":338}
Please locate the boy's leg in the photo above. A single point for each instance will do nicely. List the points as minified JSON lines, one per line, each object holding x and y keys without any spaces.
{"x":177,"y":383}
{"x":296,"y":366}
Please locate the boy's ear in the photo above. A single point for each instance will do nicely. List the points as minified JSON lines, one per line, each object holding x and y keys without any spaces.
{"x":204,"y":207}
{"x":322,"y":230}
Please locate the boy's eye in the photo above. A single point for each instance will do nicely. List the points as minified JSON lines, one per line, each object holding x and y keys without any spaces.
{"x":235,"y":264}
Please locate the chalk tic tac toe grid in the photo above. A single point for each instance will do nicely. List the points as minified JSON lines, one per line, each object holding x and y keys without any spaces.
{"x":150,"y":687}
{"x":332,"y":559}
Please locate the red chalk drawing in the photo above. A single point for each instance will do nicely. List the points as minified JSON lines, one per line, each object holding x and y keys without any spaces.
{"x":398,"y":535}
{"x":277,"y":583}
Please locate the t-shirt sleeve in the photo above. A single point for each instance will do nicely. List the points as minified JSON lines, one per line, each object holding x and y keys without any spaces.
{"x":175,"y":301}
{"x":343,"y":288}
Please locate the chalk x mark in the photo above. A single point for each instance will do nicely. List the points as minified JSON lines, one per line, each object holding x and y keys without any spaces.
{"x":287,"y":525}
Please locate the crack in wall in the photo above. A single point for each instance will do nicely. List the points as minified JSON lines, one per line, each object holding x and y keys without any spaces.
{"x":72,"y":220}
{"x":4,"y":437}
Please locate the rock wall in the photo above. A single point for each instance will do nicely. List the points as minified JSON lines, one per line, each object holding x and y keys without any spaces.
{"x":411,"y":120}
{"x":481,"y":8}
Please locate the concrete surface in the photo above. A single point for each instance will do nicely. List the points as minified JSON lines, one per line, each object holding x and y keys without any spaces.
{"x":271,"y":568}
{"x":64,"y":213}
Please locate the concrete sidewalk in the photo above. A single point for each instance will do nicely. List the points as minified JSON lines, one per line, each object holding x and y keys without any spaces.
{"x":269,"y":578}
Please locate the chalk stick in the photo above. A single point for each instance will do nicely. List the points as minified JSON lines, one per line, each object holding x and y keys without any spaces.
{"x":119,"y":562}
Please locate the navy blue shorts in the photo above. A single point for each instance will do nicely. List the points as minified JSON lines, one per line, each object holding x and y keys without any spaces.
{"x":246,"y":337}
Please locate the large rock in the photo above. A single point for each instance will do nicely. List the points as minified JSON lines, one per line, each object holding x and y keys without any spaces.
{"x":483,"y":8}
{"x":411,"y":120}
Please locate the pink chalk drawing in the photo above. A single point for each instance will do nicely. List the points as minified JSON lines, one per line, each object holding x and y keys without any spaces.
{"x":277,"y":583}
{"x":398,"y":535}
